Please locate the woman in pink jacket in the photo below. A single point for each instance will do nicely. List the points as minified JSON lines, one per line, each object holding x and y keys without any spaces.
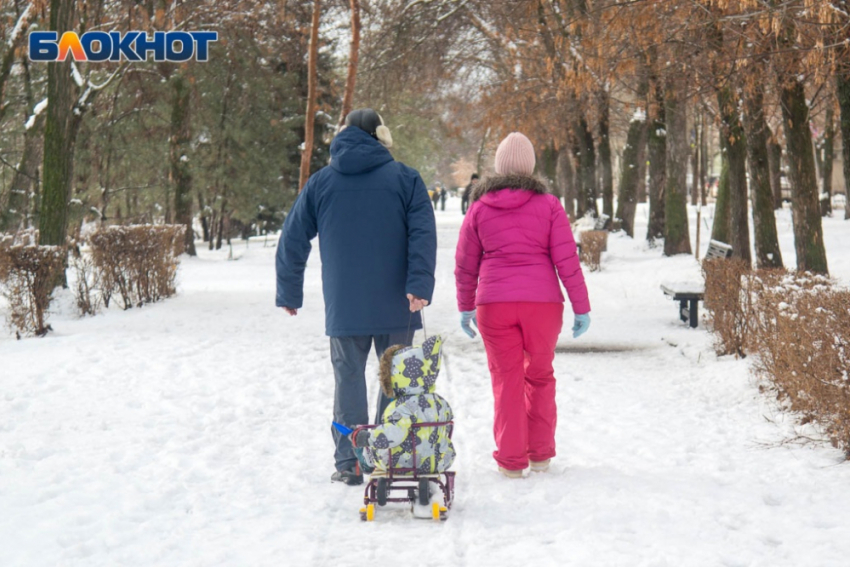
{"x":514,"y":244}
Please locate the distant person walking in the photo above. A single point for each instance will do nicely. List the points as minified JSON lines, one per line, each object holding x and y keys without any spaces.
{"x":467,"y":193}
{"x":435,"y":196}
{"x":379,"y":252}
{"x":444,"y":192}
{"x":515,"y":242}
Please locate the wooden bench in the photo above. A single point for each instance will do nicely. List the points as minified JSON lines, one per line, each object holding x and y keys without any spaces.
{"x":689,"y":294}
{"x":717,"y":249}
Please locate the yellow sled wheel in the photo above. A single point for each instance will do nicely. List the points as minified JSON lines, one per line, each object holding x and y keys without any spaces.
{"x":370,"y":513}
{"x":435,"y":510}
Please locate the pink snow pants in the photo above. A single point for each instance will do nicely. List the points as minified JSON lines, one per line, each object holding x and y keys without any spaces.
{"x":520,"y":339}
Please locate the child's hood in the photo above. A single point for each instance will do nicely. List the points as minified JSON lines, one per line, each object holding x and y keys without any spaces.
{"x":408,"y":371}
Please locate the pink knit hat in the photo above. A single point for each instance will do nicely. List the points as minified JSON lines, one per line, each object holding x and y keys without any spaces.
{"x":515,"y":155}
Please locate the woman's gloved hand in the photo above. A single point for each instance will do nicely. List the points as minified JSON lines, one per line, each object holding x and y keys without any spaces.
{"x":581,"y":325}
{"x":465,"y":318}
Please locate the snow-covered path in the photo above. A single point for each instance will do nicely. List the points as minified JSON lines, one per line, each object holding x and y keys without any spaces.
{"x":195,"y":432}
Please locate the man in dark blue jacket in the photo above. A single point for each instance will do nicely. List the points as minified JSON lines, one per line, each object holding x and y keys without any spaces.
{"x":378,"y":245}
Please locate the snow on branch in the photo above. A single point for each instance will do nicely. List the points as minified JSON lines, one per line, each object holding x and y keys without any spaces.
{"x":20,"y":26}
{"x":38,"y":109}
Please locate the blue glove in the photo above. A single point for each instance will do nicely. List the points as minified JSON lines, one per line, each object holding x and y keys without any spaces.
{"x":465,"y":318}
{"x":581,"y":325}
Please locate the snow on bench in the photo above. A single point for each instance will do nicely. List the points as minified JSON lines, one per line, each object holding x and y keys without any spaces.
{"x":689,"y":294}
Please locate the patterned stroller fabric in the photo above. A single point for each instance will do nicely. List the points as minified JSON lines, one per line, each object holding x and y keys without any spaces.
{"x":408,"y":375}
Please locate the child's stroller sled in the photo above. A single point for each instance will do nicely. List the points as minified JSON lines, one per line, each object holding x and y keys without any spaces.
{"x":411,"y":448}
{"x":406,"y":485}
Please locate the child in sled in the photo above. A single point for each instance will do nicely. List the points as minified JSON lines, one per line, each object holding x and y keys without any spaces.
{"x":407,"y":375}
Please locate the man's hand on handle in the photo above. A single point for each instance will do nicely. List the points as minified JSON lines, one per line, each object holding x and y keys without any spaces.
{"x":416,"y":303}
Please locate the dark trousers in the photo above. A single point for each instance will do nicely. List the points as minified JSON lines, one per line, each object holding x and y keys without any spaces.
{"x":351,"y":406}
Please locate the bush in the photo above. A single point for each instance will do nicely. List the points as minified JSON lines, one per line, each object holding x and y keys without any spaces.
{"x":728,"y":303}
{"x":593,"y":243}
{"x":803,"y":343}
{"x":28,"y":274}
{"x":88,"y":290}
{"x":137,"y":263}
{"x":799,"y":325}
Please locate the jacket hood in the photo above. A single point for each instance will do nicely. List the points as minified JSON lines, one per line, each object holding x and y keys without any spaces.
{"x":354,"y":151}
{"x":521,"y":189}
{"x":409,"y":371}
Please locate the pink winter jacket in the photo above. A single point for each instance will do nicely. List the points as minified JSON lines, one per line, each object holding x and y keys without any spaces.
{"x":513,"y":239}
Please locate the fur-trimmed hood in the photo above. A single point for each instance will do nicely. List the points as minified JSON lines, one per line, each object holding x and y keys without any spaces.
{"x":408,"y":371}
{"x":499,"y":182}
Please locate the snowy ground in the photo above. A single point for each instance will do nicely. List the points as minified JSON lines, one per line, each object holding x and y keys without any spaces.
{"x":195,"y":432}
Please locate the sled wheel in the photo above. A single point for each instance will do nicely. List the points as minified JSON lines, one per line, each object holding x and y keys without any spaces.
{"x":424,"y":491}
{"x":370,"y":513}
{"x":381,"y":492}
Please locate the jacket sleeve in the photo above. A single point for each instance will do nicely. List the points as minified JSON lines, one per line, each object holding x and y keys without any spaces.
{"x":299,"y":229}
{"x":562,"y":250}
{"x":468,"y":260}
{"x":421,"y":243}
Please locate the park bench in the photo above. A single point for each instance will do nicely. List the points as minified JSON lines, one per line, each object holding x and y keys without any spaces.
{"x":689,"y":294}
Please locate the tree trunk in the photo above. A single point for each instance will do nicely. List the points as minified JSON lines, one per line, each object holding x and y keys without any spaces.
{"x":20,"y":211}
{"x":607,"y":173}
{"x":181,"y":174}
{"x":310,"y":118}
{"x":353,"y":56}
{"x":774,"y":160}
{"x":578,"y":186}
{"x":703,"y":159}
{"x":58,"y":136}
{"x":587,"y":168}
{"x":657,"y":147}
{"x":695,"y":163}
{"x":768,"y":254}
{"x":808,"y":232}
{"x":720,"y":229}
{"x":843,"y":91}
{"x":205,"y":223}
{"x":12,"y":44}
{"x":828,"y":160}
{"x":676,"y":237}
{"x":732,"y":136}
{"x":633,"y":155}
{"x":566,"y":179}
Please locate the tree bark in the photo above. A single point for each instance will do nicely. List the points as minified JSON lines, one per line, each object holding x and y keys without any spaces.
{"x":676,"y":237}
{"x":720,"y":229}
{"x":607,"y":174}
{"x":774,"y":157}
{"x":310,"y":118}
{"x":24,"y":189}
{"x":695,"y":163}
{"x":808,"y":232}
{"x":768,"y":254}
{"x":587,"y":168}
{"x":828,"y":160}
{"x":566,"y":179}
{"x":633,"y":155}
{"x":703,"y":158}
{"x":657,"y":147}
{"x":842,"y":77}
{"x":732,"y":134}
{"x":58,"y":136}
{"x":353,"y":57}
{"x":181,"y":174}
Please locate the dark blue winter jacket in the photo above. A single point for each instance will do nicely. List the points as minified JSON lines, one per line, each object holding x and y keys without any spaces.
{"x":377,"y":239}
